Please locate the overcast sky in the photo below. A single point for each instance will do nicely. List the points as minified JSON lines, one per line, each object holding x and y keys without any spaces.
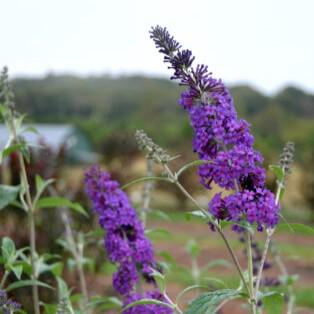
{"x":268,"y":43}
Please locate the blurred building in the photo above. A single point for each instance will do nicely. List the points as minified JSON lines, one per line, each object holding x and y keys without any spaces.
{"x":77,"y":147}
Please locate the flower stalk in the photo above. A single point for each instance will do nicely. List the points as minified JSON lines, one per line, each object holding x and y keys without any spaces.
{"x":11,"y":120}
{"x":285,"y":163}
{"x":154,"y":150}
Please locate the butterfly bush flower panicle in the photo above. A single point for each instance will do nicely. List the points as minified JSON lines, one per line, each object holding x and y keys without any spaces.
{"x":287,"y":157}
{"x":125,"y":240}
{"x":221,"y":138}
{"x":154,"y":151}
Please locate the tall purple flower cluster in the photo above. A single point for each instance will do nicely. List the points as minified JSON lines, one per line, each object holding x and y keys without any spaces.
{"x":221,"y":140}
{"x":125,"y":241}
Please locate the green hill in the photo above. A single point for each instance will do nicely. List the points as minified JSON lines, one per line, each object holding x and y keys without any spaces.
{"x":107,"y":106}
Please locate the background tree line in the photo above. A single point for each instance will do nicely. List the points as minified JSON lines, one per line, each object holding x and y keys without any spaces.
{"x":110,"y":109}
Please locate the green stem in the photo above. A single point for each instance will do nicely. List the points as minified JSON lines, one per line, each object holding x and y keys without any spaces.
{"x":32,"y":230}
{"x":143,"y":180}
{"x":175,"y":306}
{"x":214,"y":222}
{"x":250,"y":271}
{"x":77,"y":255}
{"x":148,"y":186}
{"x":193,"y":163}
{"x":270,"y":232}
{"x":284,"y":273}
{"x":30,"y":210}
{"x":4,"y":278}
{"x":261,"y":267}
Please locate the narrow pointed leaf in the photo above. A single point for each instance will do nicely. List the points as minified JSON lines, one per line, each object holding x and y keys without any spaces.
{"x":25,"y":283}
{"x":55,"y":201}
{"x":207,"y":302}
{"x":8,"y":194}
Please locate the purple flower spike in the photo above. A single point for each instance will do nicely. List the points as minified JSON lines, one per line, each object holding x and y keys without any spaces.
{"x":221,"y":139}
{"x":125,"y":240}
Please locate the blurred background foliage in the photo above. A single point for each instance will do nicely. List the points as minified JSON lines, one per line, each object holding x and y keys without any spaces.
{"x":110,"y":109}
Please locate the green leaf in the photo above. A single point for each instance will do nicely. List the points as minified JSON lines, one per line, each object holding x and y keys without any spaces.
{"x":282,"y":192}
{"x":180,"y":295}
{"x":8,"y":194}
{"x":18,"y":270}
{"x":296,"y":228}
{"x":50,"y":308}
{"x":8,"y":250}
{"x":207,"y":302}
{"x":113,"y":302}
{"x":244,"y":224}
{"x":158,"y":232}
{"x":12,"y":148}
{"x":27,"y":268}
{"x":30,"y":129}
{"x":25,"y":283}
{"x":160,"y":214}
{"x":3,"y":110}
{"x":63,"y":291}
{"x":41,"y":185}
{"x":195,"y":213}
{"x":160,"y":280}
{"x":273,"y":303}
{"x":193,"y":248}
{"x":148,"y":301}
{"x":55,"y":201}
{"x":278,"y":171}
{"x":218,"y":262}
{"x":211,"y":281}
{"x":167,"y":257}
{"x":57,"y":269}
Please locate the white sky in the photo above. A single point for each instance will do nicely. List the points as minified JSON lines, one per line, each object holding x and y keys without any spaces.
{"x":268,"y":43}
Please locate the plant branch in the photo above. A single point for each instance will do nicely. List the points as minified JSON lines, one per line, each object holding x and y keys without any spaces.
{"x":214,"y":222}
{"x":270,"y":232}
{"x":4,"y":278}
{"x":148,"y":186}
{"x":250,"y":271}
{"x":143,"y":179}
{"x":78,"y":256}
{"x":30,"y":210}
{"x":284,"y":272}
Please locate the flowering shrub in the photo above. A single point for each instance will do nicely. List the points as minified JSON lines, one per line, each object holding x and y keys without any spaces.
{"x":227,"y":158}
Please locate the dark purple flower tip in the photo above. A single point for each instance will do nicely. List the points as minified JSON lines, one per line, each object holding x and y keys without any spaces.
{"x":163,"y":41}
